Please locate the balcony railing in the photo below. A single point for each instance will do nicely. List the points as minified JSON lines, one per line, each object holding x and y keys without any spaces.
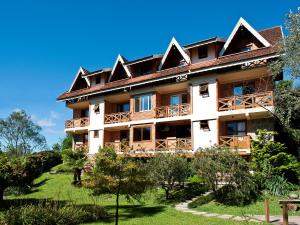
{"x":173,"y":144}
{"x":173,"y":110}
{"x":261,"y":99}
{"x":120,"y":146}
{"x":75,"y":123}
{"x":117,"y":117}
{"x":161,"y":145}
{"x":81,"y":146}
{"x":237,"y":142}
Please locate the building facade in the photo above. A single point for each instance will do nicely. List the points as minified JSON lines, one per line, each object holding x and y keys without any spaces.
{"x":212,"y":92}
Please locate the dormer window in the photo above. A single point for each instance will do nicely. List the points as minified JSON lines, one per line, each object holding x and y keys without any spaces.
{"x":98,"y":80}
{"x":202,"y":52}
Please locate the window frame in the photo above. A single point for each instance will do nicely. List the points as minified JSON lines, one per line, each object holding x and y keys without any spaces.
{"x":140,"y":97}
{"x":204,"y":93}
{"x":202,"y":56}
{"x":204,"y":128}
{"x":97,"y":108}
{"x":96,"y":133}
{"x":141,"y":130}
{"x":97,"y":81}
{"x":236,"y":131}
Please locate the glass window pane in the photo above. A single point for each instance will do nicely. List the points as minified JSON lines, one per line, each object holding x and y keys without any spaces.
{"x":147,"y":133}
{"x":150,"y":102}
{"x":238,"y":90}
{"x":174,"y":100}
{"x":231,"y":128}
{"x":137,"y":134}
{"x":145,"y":102}
{"x":241,"y":126}
{"x":184,"y":99}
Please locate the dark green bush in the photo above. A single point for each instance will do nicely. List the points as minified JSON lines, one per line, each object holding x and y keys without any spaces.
{"x":191,"y":190}
{"x":43,"y":214}
{"x":202,"y":200}
{"x":232,"y":195}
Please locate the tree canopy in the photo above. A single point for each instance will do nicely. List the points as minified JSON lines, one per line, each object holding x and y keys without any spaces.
{"x":19,"y":135}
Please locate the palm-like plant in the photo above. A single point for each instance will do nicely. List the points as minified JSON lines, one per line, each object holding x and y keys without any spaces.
{"x":76,"y":160}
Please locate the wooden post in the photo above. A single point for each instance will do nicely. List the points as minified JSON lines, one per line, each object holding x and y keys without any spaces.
{"x":285,"y":214}
{"x":267,"y":210}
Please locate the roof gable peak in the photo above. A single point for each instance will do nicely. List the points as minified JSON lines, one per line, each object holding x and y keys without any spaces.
{"x":122,"y":60}
{"x":81,"y":71}
{"x":175,"y":43}
{"x":242,"y":22}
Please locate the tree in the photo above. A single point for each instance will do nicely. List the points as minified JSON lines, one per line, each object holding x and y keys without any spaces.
{"x":118,"y":175}
{"x":219,"y":165}
{"x":19,"y":135}
{"x":267,"y":153}
{"x":65,"y":143}
{"x":289,"y":48}
{"x":169,"y":169}
{"x":76,"y":160}
{"x":287,"y":95}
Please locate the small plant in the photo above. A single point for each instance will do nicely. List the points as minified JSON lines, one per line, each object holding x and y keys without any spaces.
{"x":278,"y":186}
{"x":202,"y":200}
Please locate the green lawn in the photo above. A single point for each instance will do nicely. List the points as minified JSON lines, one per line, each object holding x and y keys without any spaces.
{"x":252,"y":209}
{"x":58,"y":187}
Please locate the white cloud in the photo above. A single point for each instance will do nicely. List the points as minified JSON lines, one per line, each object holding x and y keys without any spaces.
{"x":46,"y":122}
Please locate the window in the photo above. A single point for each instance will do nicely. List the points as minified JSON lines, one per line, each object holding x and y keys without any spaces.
{"x":97,"y":108}
{"x":96,"y":133}
{"x":142,"y":103}
{"x":236,"y":128}
{"x":203,"y":90}
{"x":142,"y":134}
{"x":204,"y":125}
{"x":85,"y":113}
{"x":124,"y":107}
{"x":202,"y":52}
{"x":98,"y":80}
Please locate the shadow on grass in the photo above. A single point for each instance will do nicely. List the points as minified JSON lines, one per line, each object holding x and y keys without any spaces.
{"x":129,"y":212}
{"x":42,"y":182}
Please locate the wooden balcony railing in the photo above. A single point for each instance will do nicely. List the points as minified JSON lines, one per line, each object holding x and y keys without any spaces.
{"x":81,"y":146}
{"x":117,"y":117}
{"x":246,"y":101}
{"x":80,"y":122}
{"x":237,"y":142}
{"x":120,"y":146}
{"x":173,"y":110}
{"x":173,"y":144}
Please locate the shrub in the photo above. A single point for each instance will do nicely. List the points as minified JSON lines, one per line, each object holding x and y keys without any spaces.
{"x":278,"y":186}
{"x":43,"y":214}
{"x":190,"y":191}
{"x":204,"y":199}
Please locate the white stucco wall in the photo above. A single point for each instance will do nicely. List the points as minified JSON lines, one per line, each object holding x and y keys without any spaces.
{"x":95,"y":143}
{"x":204,"y":108}
{"x":96,"y":123}
{"x":205,"y":138}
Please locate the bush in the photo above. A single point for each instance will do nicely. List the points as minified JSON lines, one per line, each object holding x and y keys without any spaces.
{"x":204,"y":199}
{"x":43,"y":214}
{"x":191,"y":190}
{"x":233,"y":196}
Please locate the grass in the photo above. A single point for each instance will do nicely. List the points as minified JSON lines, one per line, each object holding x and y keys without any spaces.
{"x":252,"y":209}
{"x":58,"y":187}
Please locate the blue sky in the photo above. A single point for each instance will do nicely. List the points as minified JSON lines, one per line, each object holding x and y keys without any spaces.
{"x":43,"y":43}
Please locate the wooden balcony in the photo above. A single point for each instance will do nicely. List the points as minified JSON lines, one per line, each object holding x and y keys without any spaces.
{"x":161,"y":145}
{"x":173,"y":144}
{"x":81,"y":146}
{"x":173,"y":110}
{"x":261,"y":99}
{"x":76,"y":123}
{"x":235,"y":142}
{"x":119,"y":146}
{"x":117,"y":117}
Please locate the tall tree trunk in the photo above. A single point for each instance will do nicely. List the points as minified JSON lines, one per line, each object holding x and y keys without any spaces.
{"x":117,"y":206}
{"x":1,"y":194}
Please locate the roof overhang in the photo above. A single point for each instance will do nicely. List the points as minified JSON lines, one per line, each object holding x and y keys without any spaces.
{"x":189,"y":73}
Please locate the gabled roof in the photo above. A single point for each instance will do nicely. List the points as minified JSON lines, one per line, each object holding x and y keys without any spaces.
{"x":122,"y":60}
{"x":80,"y":73}
{"x":97,"y":72}
{"x":204,"y":42}
{"x":173,"y":42}
{"x":244,"y":23}
{"x":147,"y":58}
